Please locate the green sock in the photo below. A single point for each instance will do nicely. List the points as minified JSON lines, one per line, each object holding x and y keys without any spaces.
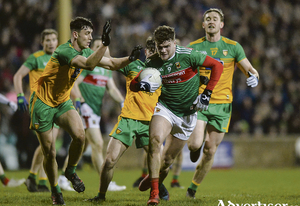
{"x":32,"y":175}
{"x":70,"y":170}
{"x":193,"y":186}
{"x":55,"y":189}
{"x":42,"y":182}
{"x":2,"y":177}
{"x":175,"y":177}
{"x":145,"y":170}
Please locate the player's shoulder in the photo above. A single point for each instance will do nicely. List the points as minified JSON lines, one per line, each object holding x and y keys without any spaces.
{"x":196,"y":42}
{"x":38,"y":53}
{"x":183,"y":50}
{"x":138,"y":62}
{"x":228,"y":41}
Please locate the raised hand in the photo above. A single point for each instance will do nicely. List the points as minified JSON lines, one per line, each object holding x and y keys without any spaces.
{"x":136,"y":52}
{"x":105,"y":34}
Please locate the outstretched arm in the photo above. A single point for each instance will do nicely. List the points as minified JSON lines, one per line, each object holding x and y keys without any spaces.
{"x":119,"y":63}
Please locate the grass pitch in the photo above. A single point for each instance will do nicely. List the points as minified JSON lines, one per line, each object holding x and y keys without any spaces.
{"x":230,"y":187}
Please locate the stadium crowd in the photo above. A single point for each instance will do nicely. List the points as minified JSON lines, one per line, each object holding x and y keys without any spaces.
{"x":267,"y":29}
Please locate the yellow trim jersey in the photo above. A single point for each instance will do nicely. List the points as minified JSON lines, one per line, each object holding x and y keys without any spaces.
{"x":137,"y":105}
{"x":55,"y":84}
{"x":228,"y":52}
{"x":36,"y":63}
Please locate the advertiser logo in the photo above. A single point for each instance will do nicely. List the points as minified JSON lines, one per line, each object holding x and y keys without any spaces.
{"x":229,"y":203}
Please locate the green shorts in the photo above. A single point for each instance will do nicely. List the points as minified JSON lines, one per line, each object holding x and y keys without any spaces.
{"x":217,"y":115}
{"x":44,"y":116}
{"x":127,"y":129}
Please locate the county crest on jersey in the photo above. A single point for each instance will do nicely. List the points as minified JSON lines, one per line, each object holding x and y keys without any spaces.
{"x":180,"y":78}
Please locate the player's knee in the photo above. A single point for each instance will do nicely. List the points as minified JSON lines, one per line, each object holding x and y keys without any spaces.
{"x":194,"y":147}
{"x":209,"y":153}
{"x":79,"y":137}
{"x":51,"y":154}
{"x":154,"y":143}
{"x":167,"y":161}
{"x":109,"y":163}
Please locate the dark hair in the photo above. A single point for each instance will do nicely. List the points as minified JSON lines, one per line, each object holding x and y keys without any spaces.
{"x":79,"y":23}
{"x":150,"y":43}
{"x":164,"y":33}
{"x":219,"y":11}
{"x":47,"y":32}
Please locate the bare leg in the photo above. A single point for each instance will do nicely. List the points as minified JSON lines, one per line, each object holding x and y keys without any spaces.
{"x":115,"y":149}
{"x":37,"y":161}
{"x":171,"y":150}
{"x":211,"y":144}
{"x":197,"y":137}
{"x":47,"y":143}
{"x":71,"y":122}
{"x":95,"y":140}
{"x":159,"y":129}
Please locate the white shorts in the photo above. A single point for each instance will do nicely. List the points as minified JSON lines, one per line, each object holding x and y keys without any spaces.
{"x":182,"y":127}
{"x":91,"y":122}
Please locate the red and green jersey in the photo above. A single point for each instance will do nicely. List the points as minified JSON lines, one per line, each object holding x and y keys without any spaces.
{"x":36,"y":63}
{"x":93,"y":87}
{"x":180,"y":77}
{"x":55,"y":84}
{"x":137,"y":105}
{"x":229,"y":52}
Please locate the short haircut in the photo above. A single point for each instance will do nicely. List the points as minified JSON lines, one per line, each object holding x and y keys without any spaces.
{"x":163,"y":33}
{"x":219,"y":11}
{"x":150,"y":43}
{"x":47,"y":32}
{"x":79,"y":23}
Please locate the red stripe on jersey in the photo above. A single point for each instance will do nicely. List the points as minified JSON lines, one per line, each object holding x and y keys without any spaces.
{"x":97,"y":80}
{"x":180,"y":76}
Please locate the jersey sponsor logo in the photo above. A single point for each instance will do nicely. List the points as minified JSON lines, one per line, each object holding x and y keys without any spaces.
{"x":118,"y":131}
{"x":96,"y":80}
{"x":202,"y":52}
{"x":180,"y":76}
{"x":225,"y":52}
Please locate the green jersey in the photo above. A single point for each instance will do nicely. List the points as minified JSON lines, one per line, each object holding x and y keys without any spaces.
{"x":180,"y":78}
{"x":36,"y":63}
{"x":93,"y":87}
{"x":56,"y":82}
{"x":227,"y":51}
{"x":137,"y":105}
